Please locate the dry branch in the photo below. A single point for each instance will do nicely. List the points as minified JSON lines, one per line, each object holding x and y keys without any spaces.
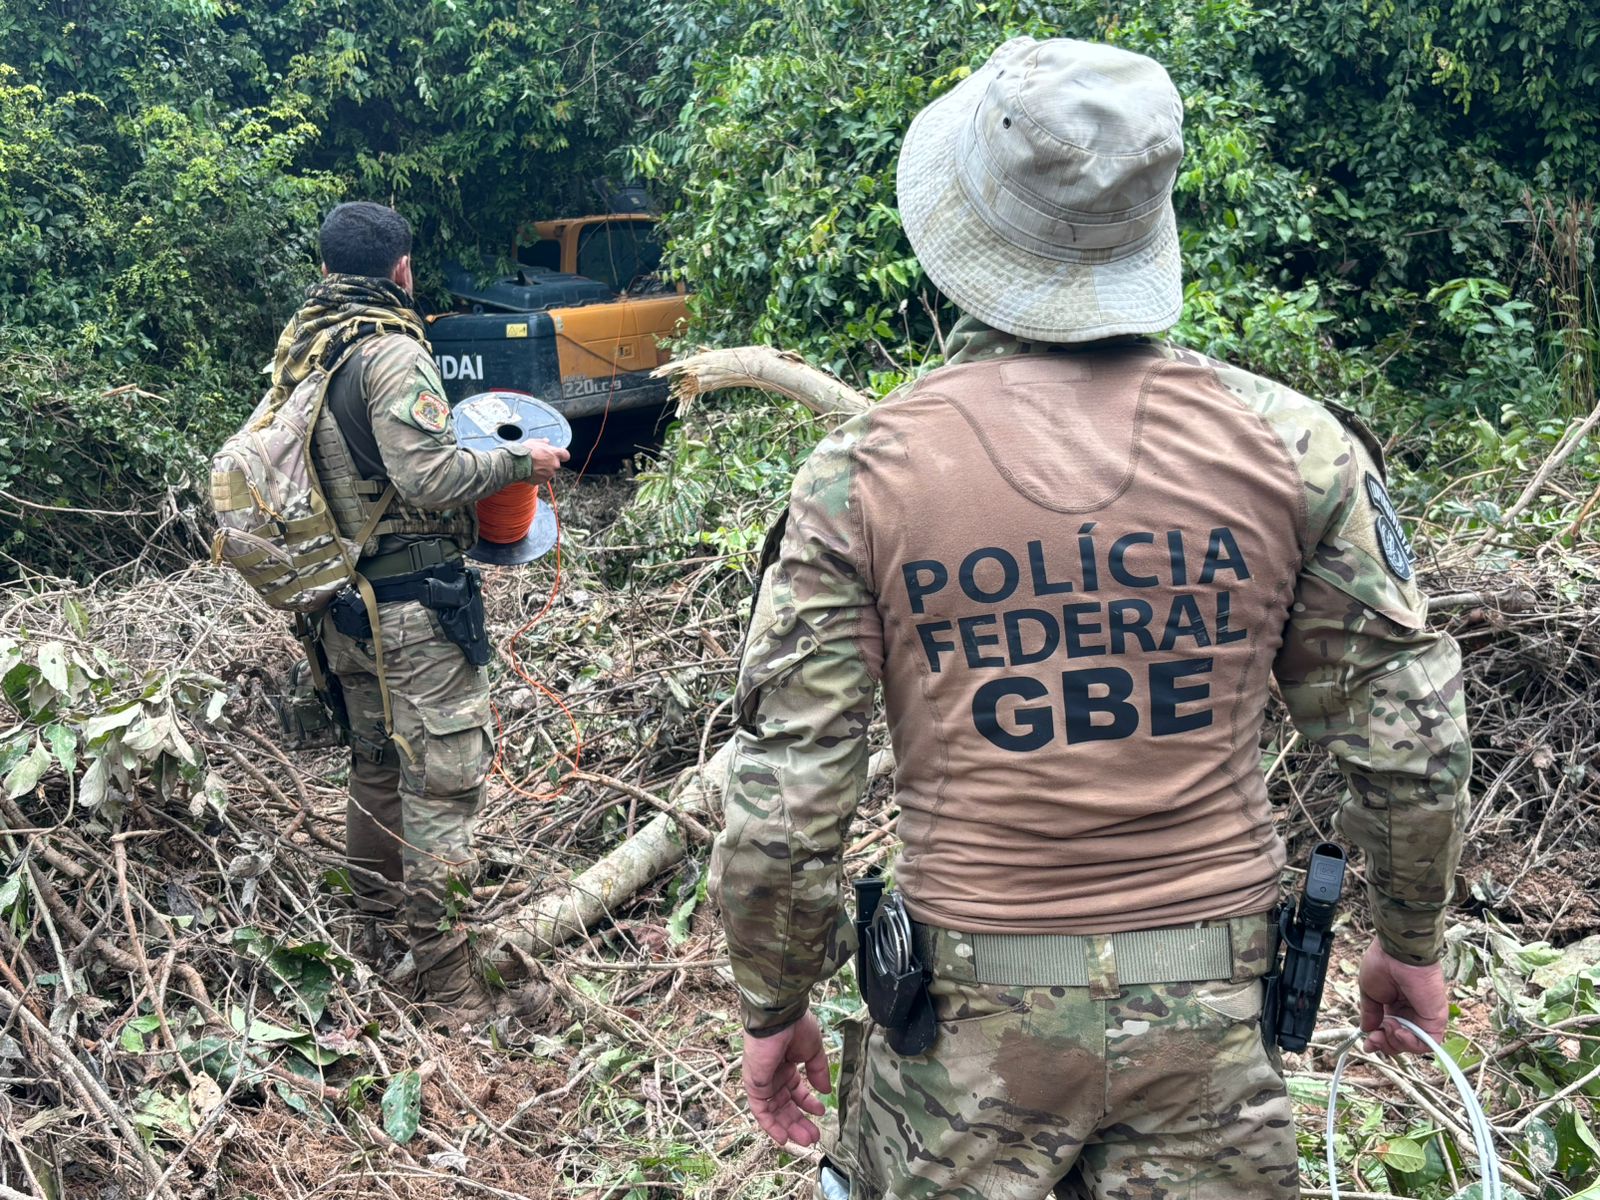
{"x":767,"y":369}
{"x":81,"y":1081}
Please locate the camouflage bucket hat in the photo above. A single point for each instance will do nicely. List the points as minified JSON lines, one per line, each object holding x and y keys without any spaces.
{"x":1037,"y":193}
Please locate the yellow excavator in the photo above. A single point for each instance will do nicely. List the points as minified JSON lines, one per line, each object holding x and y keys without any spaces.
{"x":579,"y":322}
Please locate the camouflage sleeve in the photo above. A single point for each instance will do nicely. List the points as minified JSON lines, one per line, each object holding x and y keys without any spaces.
{"x":805,"y":699}
{"x":1365,"y":677}
{"x":416,"y":435}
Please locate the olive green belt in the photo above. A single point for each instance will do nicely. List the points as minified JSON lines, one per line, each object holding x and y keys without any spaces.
{"x":1207,"y":951}
{"x":417,"y":556}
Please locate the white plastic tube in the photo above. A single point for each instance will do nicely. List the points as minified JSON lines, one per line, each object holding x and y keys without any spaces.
{"x":1477,"y":1121}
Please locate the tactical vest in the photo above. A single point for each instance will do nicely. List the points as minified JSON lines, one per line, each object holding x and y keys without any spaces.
{"x":350,"y":496}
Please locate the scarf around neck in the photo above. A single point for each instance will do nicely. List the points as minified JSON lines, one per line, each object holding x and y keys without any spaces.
{"x":337,"y":310}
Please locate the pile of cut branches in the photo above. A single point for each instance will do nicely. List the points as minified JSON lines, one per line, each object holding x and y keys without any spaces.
{"x":188,"y":1006}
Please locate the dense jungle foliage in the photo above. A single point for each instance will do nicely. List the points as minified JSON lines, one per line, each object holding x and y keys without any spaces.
{"x":1388,"y":203}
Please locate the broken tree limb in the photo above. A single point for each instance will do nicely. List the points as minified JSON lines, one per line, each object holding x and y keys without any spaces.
{"x":767,"y":369}
{"x":588,"y":898}
{"x":584,"y":901}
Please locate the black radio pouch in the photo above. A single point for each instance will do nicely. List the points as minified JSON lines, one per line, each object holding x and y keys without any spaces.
{"x":348,"y":612}
{"x":894,"y":982}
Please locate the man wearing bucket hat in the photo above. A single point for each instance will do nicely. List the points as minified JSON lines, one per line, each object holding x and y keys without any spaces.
{"x":1075,"y":559}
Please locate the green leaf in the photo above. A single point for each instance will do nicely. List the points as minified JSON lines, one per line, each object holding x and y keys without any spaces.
{"x":77,"y":616}
{"x":1585,"y":1134}
{"x":10,"y":891}
{"x":1542,"y":1149}
{"x":27,"y":773}
{"x":292,"y":1098}
{"x":1402,"y":1154}
{"x":1539,"y":954}
{"x":319,"y":1056}
{"x":53,"y":665}
{"x":267,"y":1031}
{"x":92,"y":787}
{"x":64,"y":745}
{"x":402,"y":1106}
{"x":678,"y":922}
{"x":97,"y":727}
{"x":131,"y":1040}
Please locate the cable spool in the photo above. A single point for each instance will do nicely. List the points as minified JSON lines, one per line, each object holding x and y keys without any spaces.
{"x":513,"y":527}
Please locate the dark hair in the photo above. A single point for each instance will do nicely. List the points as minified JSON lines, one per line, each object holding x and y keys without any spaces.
{"x":363,"y":238}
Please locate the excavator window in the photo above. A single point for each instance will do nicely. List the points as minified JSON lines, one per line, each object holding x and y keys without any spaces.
{"x":624,"y":255}
{"x":544,"y":255}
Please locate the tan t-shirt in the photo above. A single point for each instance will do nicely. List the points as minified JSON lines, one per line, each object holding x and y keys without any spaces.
{"x":1075,"y":575}
{"x":1083,"y":564}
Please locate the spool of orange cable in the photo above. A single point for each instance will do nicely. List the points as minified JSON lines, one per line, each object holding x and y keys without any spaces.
{"x":505,"y":517}
{"x":513,"y":527}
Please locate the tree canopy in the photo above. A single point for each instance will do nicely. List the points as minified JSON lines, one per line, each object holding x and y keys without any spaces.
{"x":1378,"y":202}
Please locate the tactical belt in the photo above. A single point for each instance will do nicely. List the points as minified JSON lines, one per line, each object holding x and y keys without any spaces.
{"x":414,"y":584}
{"x":412,"y":559}
{"x":1176,"y":954}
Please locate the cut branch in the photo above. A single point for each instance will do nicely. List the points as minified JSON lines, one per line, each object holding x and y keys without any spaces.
{"x":767,"y":369}
{"x":589,"y":898}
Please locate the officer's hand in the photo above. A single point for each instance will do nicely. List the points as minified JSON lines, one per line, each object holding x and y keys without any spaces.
{"x":1390,"y":987}
{"x":544,"y":460}
{"x":780,"y":1096}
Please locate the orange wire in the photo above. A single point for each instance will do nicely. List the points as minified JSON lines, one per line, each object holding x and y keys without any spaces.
{"x":505,"y":517}
{"x":503,"y":508}
{"x":509,"y":650}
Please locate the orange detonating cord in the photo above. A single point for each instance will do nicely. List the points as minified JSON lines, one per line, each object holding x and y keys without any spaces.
{"x":509,"y":649}
{"x":505,"y":517}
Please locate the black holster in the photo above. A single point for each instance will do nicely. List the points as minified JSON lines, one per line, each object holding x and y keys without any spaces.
{"x":1302,"y":947}
{"x":453,"y":591}
{"x":896,"y":996}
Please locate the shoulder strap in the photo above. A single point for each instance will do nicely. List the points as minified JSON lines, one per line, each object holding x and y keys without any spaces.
{"x":370,"y":600}
{"x":380,"y":507}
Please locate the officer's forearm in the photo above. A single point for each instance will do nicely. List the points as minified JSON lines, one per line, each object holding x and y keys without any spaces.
{"x":455,"y":476}
{"x":1402,"y":743}
{"x":781,"y":856}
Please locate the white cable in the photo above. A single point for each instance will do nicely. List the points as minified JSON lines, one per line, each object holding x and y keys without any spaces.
{"x":1477,"y":1121}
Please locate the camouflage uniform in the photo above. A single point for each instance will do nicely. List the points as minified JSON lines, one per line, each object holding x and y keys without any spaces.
{"x":1137,"y":1091}
{"x":410,"y":815}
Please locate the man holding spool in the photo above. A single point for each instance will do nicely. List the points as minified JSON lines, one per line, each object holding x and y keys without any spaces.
{"x":1074,"y":559}
{"x":406,"y":644}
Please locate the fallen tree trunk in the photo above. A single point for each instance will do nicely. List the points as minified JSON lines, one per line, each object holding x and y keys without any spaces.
{"x":769,"y":370}
{"x":584,"y":901}
{"x":590,"y":897}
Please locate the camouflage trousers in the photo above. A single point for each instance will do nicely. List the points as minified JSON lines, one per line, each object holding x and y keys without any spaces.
{"x":411,"y":819}
{"x":1146,"y":1092}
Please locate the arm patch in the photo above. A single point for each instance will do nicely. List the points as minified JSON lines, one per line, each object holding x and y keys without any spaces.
{"x":1392,"y":544}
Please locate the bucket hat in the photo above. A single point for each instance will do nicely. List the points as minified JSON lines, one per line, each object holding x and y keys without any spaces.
{"x":1037,"y":193}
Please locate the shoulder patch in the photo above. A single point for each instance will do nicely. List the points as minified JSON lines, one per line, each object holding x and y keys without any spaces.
{"x":430,"y":412}
{"x":1392,"y":542}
